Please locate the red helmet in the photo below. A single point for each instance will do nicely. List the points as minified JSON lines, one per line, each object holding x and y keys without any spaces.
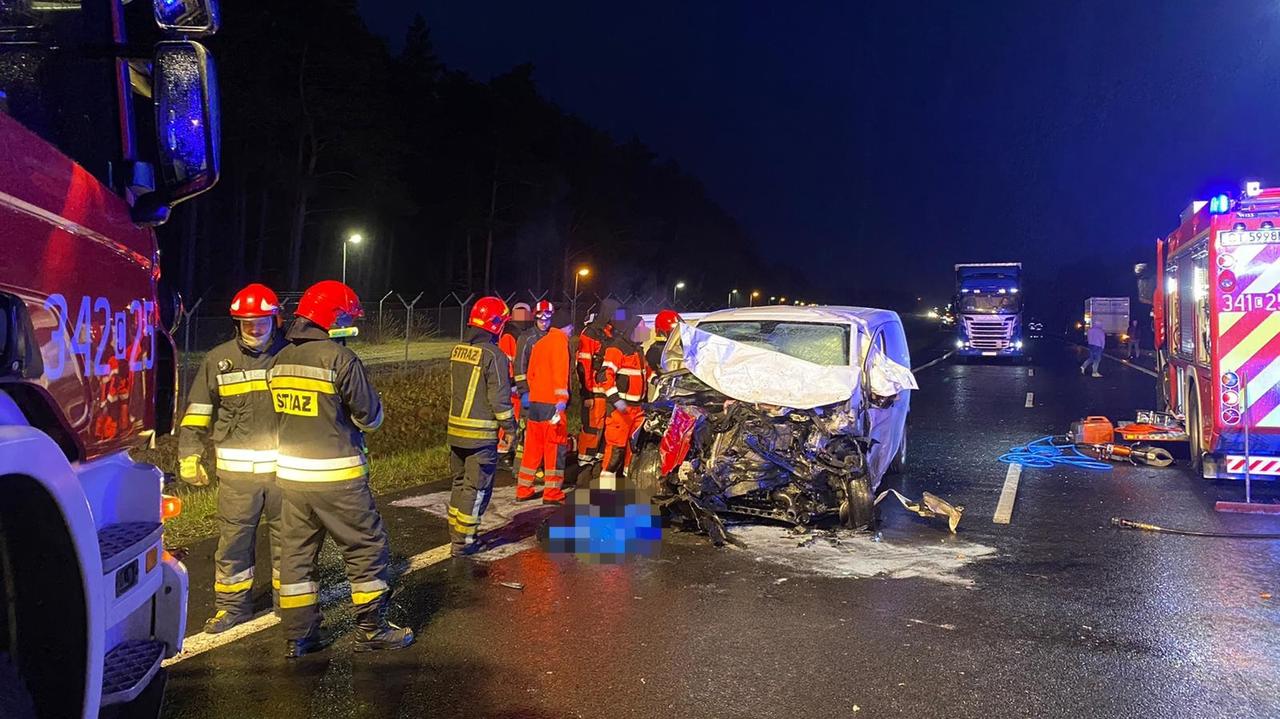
{"x":544,"y":307}
{"x":666,"y":321}
{"x":490,"y":314}
{"x":328,"y":301}
{"x":255,"y":301}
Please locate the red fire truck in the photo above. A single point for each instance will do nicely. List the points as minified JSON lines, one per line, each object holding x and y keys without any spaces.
{"x":1217,"y":326}
{"x":97,"y":145}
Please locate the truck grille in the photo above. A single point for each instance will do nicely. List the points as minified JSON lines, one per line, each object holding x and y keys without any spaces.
{"x":989,"y":332}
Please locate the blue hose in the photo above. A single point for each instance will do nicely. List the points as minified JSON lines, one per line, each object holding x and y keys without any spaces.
{"x":1043,"y":453}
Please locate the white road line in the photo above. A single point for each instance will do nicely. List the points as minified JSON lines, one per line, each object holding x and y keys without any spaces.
{"x":198,"y":644}
{"x":1031,"y":399}
{"x":1131,"y":365}
{"x":930,"y":364}
{"x":1031,"y":371}
{"x":1004,"y":508}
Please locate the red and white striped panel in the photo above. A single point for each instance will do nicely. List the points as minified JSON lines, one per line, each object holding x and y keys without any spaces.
{"x":1257,"y":465}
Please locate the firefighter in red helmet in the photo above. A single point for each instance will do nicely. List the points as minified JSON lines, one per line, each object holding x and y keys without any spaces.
{"x":479,"y":406}
{"x":325,"y":404}
{"x":663,"y":325}
{"x":229,"y":404}
{"x":542,"y":381}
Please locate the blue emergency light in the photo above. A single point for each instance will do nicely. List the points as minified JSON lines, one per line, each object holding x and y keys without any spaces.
{"x":1219,"y":204}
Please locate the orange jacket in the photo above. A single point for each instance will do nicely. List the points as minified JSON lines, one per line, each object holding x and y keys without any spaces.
{"x":590,"y":355}
{"x":624,"y":373}
{"x":507,"y":343}
{"x":548,"y":375}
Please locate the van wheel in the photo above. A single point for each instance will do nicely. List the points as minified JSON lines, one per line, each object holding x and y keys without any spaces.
{"x":858,"y":510}
{"x":646,"y":470}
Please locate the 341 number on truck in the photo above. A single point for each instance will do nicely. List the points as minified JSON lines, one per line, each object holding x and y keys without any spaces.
{"x":99,"y":144}
{"x":1216,"y":309}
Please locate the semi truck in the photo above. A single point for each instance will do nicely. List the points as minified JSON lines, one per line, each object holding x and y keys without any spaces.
{"x":1109,"y":313}
{"x":1216,"y":312}
{"x":99,"y":145}
{"x":988,"y":306}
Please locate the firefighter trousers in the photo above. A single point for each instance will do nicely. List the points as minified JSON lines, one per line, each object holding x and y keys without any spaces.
{"x":242,"y":504}
{"x":472,"y":470}
{"x":594,"y":410}
{"x":347,"y":513}
{"x":618,"y":429}
{"x":544,"y":445}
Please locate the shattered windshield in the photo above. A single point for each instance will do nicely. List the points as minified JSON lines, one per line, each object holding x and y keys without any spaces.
{"x":821,"y":344}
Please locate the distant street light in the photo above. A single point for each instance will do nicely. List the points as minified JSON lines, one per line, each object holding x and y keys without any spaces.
{"x":580,"y":274}
{"x":754,"y":294}
{"x":354,"y":239}
{"x":679,"y":286}
{"x":782,"y":300}
{"x":731,"y":294}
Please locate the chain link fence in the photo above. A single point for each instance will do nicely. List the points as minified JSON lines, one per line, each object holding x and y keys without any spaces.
{"x":396,"y":325}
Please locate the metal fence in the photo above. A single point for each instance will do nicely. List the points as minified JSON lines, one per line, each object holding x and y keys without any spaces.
{"x":401,"y":317}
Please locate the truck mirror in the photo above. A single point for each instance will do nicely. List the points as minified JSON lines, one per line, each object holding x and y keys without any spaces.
{"x":186,"y":101}
{"x":188,"y":17}
{"x":1146,"y":275}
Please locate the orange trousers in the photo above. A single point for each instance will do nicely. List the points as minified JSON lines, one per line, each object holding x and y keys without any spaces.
{"x":593,"y":414}
{"x":544,"y":445}
{"x":618,"y":428}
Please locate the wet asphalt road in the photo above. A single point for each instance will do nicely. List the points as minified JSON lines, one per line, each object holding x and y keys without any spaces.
{"x":1054,"y":615}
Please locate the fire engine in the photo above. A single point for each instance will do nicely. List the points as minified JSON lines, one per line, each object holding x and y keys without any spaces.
{"x":1217,"y":327}
{"x":99,"y":144}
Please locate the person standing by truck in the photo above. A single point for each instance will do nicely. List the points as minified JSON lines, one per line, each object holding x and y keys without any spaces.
{"x":230,"y":404}
{"x":1097,"y":342}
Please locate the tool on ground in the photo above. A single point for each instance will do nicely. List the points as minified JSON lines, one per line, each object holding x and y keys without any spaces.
{"x":929,"y":506}
{"x":1052,"y":451}
{"x":1145,"y":527}
{"x":1093,"y":430}
{"x":1134,"y":454}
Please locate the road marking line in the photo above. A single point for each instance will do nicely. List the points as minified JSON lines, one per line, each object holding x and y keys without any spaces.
{"x":1004,"y":508}
{"x":1131,"y":365}
{"x":1031,"y":399}
{"x":1031,"y":371}
{"x":930,"y":364}
{"x":198,"y":644}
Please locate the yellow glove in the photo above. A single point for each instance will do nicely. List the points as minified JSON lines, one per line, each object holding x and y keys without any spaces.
{"x":192,"y":472}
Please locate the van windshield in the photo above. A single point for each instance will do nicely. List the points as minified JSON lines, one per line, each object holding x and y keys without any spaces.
{"x":819,"y":343}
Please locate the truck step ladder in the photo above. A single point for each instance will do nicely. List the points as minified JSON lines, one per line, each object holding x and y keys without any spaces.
{"x":118,"y":543}
{"x":128,"y":669}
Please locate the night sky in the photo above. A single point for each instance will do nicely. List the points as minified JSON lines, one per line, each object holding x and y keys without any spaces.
{"x":884,"y":141}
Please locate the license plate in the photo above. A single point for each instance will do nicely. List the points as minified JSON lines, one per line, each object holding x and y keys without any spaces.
{"x":990,"y":354}
{"x":1235,"y":238}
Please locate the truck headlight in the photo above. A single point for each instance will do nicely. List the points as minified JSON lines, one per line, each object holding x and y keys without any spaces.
{"x":959,"y":344}
{"x":1017,"y":345}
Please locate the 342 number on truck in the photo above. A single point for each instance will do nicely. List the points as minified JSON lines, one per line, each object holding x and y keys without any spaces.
{"x":90,"y":601}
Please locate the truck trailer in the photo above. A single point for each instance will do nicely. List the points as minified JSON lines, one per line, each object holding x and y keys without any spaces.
{"x":988,"y":307}
{"x":99,"y":146}
{"x":1109,"y":313}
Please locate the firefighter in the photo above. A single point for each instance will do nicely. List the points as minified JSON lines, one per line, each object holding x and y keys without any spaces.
{"x":622,"y":374}
{"x":507,"y":341}
{"x":479,"y":406}
{"x":325,"y":402}
{"x":590,"y":357}
{"x":230,"y":405}
{"x":542,"y":381}
{"x":663,"y":325}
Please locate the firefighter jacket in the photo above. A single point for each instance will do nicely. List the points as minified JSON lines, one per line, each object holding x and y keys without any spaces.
{"x":548,"y":373}
{"x":520,"y":359}
{"x":480,"y":392}
{"x":325,"y":402}
{"x":623,"y":374}
{"x":653,"y":356}
{"x":229,"y":405}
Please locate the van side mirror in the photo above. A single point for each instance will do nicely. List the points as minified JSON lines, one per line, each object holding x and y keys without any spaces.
{"x":187,"y":17}
{"x":184,"y":89}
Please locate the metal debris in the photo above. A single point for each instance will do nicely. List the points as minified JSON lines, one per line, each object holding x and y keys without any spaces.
{"x":930,"y":505}
{"x":512,"y":585}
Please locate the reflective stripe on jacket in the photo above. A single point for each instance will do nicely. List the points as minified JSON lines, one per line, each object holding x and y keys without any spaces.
{"x":623,"y":372}
{"x":325,"y":401}
{"x":480,"y":391}
{"x":590,"y":356}
{"x":229,"y":405}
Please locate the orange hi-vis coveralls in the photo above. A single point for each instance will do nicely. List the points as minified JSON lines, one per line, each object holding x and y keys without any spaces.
{"x":546,"y":434}
{"x":507,"y":343}
{"x":624,"y":376}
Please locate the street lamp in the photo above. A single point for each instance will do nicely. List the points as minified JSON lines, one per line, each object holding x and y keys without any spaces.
{"x":679,"y":286}
{"x":580,"y":274}
{"x":354,"y":239}
{"x":754,"y":294}
{"x":731,"y":294}
{"x":782,"y":300}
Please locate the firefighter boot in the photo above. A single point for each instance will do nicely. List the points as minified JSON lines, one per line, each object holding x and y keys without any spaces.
{"x":313,"y":642}
{"x":553,"y":495}
{"x":524,"y":494}
{"x":375,"y":633}
{"x":224,"y":620}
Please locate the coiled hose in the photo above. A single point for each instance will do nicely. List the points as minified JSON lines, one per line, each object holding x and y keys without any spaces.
{"x":1043,"y":453}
